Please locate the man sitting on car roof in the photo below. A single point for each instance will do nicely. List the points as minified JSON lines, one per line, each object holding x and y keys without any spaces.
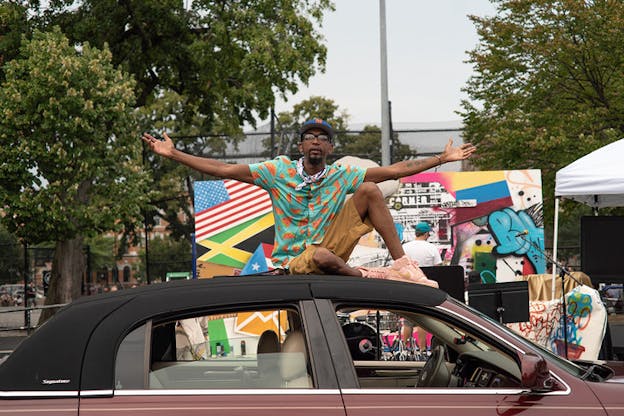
{"x":315,"y":230}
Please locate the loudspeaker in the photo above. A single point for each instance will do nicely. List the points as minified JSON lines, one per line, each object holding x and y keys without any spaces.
{"x":505,"y":302}
{"x":449,"y":278}
{"x":601,"y":258}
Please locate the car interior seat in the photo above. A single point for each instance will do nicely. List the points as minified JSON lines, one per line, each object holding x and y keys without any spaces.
{"x":268,"y":343}
{"x":267,"y":355}
{"x":293,"y":364}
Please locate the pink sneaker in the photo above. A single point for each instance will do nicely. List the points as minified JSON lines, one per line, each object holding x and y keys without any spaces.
{"x":376,"y":272}
{"x":408,"y":269}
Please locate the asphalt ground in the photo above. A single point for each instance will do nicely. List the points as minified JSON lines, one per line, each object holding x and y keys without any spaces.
{"x":12,"y":317}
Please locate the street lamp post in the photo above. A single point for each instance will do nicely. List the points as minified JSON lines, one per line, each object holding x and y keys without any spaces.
{"x":385,"y":108}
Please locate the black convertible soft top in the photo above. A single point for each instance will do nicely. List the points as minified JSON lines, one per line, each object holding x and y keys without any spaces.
{"x":75,"y":349}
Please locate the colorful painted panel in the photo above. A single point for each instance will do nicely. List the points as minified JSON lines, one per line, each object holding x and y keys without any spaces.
{"x":489,"y":222}
{"x":586,"y":320}
{"x":232,"y":220}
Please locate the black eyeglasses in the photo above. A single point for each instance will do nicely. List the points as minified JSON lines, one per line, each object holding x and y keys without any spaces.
{"x":320,"y":137}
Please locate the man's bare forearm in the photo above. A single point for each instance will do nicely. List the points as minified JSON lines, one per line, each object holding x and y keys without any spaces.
{"x":412,"y":167}
{"x":213,"y":167}
{"x":165,"y":148}
{"x":402,"y":169}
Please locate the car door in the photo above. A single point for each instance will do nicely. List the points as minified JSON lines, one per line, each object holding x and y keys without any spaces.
{"x":481,"y":374}
{"x":264,"y":359}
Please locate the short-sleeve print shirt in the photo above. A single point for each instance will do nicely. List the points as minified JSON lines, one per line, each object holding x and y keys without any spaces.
{"x":302,"y":216}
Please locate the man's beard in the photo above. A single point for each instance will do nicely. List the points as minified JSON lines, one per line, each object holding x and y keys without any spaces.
{"x":315,"y":160}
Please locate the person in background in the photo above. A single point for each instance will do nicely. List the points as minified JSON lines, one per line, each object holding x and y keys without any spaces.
{"x":425,"y":254}
{"x":420,"y":250}
{"x":315,"y":229}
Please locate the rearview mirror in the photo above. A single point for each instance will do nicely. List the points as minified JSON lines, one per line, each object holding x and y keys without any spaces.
{"x":535,"y":374}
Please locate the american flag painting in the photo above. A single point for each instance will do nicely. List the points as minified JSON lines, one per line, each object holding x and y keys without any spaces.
{"x":221,"y":205}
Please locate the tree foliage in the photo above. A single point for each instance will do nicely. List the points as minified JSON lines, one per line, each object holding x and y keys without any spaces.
{"x":288,"y":123}
{"x":11,"y":258}
{"x":365,"y":144}
{"x":169,"y":255}
{"x":13,"y":24}
{"x":227,"y":58}
{"x":70,"y":155}
{"x":101,"y":252}
{"x":547,"y":87}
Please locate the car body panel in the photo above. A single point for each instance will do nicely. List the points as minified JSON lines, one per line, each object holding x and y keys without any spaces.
{"x":259,"y":402}
{"x":74,"y":355}
{"x":454,"y":402}
{"x":38,"y":407}
{"x":611,"y":396}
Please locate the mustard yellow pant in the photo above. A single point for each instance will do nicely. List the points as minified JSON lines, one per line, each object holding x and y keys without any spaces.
{"x":342,"y":235}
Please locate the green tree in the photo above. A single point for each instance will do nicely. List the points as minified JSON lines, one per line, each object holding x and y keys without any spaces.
{"x":11,"y":258}
{"x":101,"y":249}
{"x":227,"y":59}
{"x":13,"y":24}
{"x":547,"y":87}
{"x":70,"y":155}
{"x":167,"y":255}
{"x":289,"y":123}
{"x":367,"y":145}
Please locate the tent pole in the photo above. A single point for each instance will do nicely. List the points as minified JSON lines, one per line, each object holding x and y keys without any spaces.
{"x":555,"y":241}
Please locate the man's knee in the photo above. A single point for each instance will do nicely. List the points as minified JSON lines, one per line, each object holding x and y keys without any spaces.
{"x":370,"y":190}
{"x":367,"y":194}
{"x":323,"y":258}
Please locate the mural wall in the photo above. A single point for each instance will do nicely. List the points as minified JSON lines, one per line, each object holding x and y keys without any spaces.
{"x":232,"y":221}
{"x":489,"y":222}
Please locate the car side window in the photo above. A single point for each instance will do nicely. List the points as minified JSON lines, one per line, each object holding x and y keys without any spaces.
{"x":247,"y":349}
{"x":131,"y":362}
{"x":404,"y":349}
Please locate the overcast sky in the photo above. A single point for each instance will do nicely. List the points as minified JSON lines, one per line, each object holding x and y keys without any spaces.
{"x":427,"y":42}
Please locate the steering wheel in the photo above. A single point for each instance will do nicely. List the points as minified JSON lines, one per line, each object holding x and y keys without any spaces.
{"x":435,"y":373}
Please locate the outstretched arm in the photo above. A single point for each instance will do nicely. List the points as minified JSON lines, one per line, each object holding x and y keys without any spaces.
{"x":411,"y":167}
{"x":212,"y":167}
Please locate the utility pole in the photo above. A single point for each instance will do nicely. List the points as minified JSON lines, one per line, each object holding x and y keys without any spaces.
{"x":272,"y":132}
{"x":385,"y":110}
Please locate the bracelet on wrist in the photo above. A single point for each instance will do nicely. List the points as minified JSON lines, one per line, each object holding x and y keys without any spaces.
{"x":439,"y":159}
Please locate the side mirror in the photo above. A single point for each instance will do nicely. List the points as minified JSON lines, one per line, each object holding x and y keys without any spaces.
{"x":535,"y":374}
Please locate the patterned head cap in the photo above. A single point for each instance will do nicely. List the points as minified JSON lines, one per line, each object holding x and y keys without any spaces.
{"x":317,"y":123}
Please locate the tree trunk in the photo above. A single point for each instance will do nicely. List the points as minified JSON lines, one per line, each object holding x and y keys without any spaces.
{"x":68,"y":268}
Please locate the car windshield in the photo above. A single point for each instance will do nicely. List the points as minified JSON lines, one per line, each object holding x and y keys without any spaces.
{"x":561,"y":362}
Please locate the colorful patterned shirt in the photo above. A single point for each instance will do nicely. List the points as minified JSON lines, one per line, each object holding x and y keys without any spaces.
{"x":302,"y":216}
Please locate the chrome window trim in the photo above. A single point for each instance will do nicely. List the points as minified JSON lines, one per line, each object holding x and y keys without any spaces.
{"x":229,"y":392}
{"x":420,"y":391}
{"x":455,"y":391}
{"x":168,"y":392}
{"x":96,"y":393}
{"x":27,"y":393}
{"x":563,"y":392}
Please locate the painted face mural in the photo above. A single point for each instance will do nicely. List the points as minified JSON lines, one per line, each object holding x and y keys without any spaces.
{"x":489,"y":222}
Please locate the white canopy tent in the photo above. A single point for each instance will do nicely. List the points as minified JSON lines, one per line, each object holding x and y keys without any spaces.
{"x":596,"y":179}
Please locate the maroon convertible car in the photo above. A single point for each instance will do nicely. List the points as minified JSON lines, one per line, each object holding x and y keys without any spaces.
{"x":291,"y":345}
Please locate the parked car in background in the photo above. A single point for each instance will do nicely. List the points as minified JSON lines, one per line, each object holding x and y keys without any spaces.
{"x":285,"y":345}
{"x":11,"y":294}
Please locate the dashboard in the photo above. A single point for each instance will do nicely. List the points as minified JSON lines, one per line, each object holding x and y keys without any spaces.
{"x":485,"y":369}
